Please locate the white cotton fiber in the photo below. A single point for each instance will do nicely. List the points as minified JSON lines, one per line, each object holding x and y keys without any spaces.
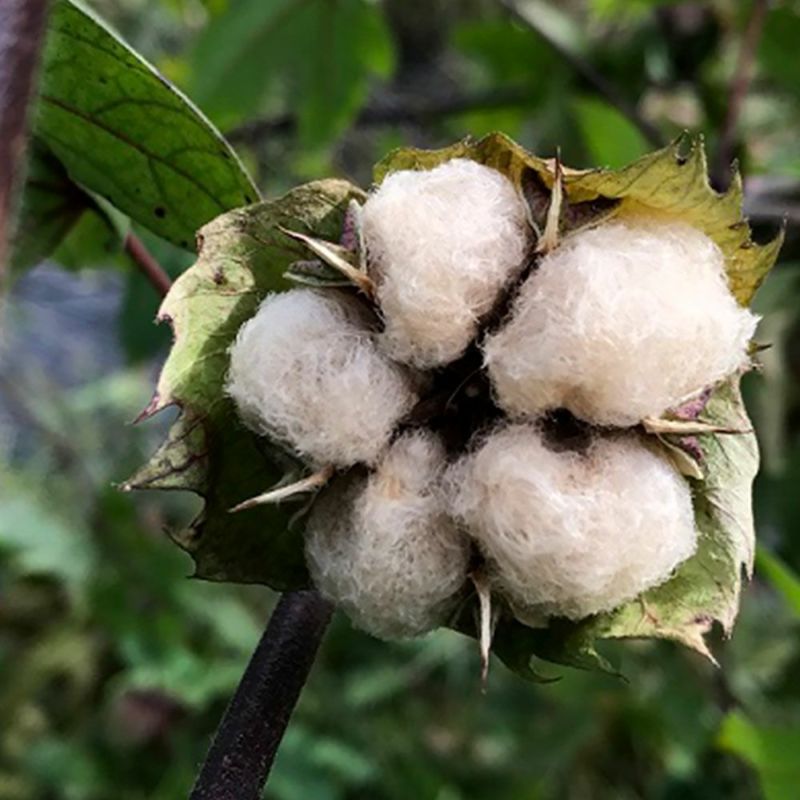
{"x":620,"y":322}
{"x":441,"y":246}
{"x":571,"y":534}
{"x":306,"y":370}
{"x":382,"y":547}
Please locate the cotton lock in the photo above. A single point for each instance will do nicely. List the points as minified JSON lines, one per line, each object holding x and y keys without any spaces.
{"x":383,"y":548}
{"x":306,"y":370}
{"x":441,"y":246}
{"x":571,"y":533}
{"x":619,"y":323}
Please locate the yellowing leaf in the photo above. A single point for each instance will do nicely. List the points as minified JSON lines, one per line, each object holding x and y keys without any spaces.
{"x":671,"y":182}
{"x":494,"y":150}
{"x":675,"y":184}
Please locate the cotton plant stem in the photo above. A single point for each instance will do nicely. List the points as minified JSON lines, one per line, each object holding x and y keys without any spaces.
{"x":147,"y":265}
{"x":604,"y":87}
{"x":22,"y":27}
{"x":403,"y":111}
{"x":244,"y":747}
{"x":737,"y":94}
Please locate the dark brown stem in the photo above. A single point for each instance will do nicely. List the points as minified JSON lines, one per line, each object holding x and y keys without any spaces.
{"x":602,"y":86}
{"x":147,"y":265}
{"x":22,"y":26}
{"x":253,"y":725}
{"x":737,"y":93}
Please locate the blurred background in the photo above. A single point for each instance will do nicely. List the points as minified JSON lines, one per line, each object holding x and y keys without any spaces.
{"x":115,"y":668}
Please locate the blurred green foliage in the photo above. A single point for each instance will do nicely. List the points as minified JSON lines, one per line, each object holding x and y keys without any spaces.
{"x":115,"y":668}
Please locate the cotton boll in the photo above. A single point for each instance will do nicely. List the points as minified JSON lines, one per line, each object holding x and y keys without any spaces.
{"x":619,"y":323}
{"x":306,"y":370}
{"x":383,"y":548}
{"x":441,"y":246}
{"x":568,"y":533}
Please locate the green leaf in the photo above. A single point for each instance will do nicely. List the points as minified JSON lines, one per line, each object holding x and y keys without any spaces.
{"x":351,"y":46}
{"x":610,"y":138}
{"x":777,"y":52}
{"x":556,"y":23}
{"x":140,"y":338}
{"x":51,"y":206}
{"x":784,"y":580}
{"x":616,"y":9}
{"x":121,"y":130}
{"x":508,"y":52}
{"x":772,"y":752}
{"x":517,"y":646}
{"x":325,"y":51}
{"x":243,"y":256}
{"x":96,"y":240}
{"x":59,"y":219}
{"x":38,"y":539}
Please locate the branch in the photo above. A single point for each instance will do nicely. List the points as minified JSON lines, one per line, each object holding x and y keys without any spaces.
{"x":737,"y":93}
{"x":386,"y":114}
{"x":771,"y":199}
{"x":603,"y":87}
{"x":244,"y":747}
{"x":147,"y":265}
{"x":22,"y":26}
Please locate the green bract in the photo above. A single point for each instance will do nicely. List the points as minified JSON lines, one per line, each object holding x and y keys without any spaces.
{"x":244,"y":254}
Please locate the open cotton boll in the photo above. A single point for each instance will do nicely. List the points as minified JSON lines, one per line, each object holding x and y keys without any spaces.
{"x":572,"y":534}
{"x":306,"y":370}
{"x":620,"y":322}
{"x":441,"y":245}
{"x":383,"y":547}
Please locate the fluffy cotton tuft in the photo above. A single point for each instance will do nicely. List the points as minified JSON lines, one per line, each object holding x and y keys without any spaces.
{"x":441,"y":245}
{"x":306,"y":370}
{"x":572,"y":534}
{"x":619,"y":323}
{"x":382,"y":547}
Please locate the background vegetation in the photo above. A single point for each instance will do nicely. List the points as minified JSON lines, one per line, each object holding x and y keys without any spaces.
{"x":115,"y":668}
